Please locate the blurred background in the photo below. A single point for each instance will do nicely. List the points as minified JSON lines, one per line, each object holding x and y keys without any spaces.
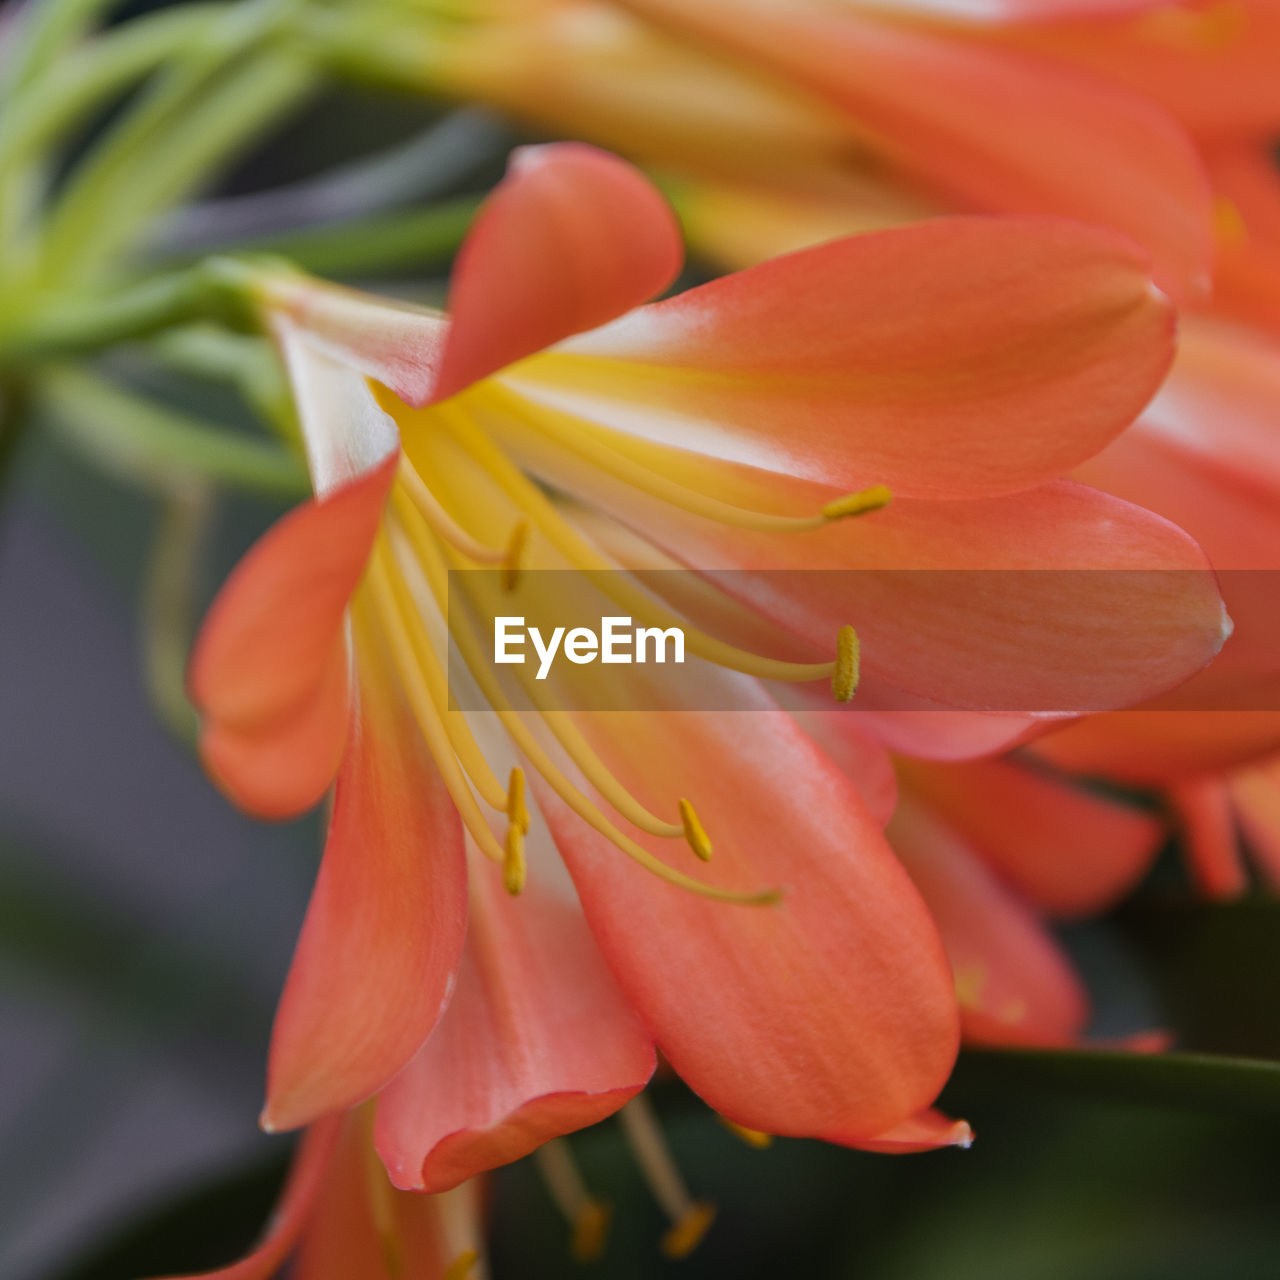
{"x":145,"y":930}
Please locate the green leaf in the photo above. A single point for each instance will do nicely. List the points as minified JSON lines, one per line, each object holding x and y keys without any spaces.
{"x":1191,"y":1081}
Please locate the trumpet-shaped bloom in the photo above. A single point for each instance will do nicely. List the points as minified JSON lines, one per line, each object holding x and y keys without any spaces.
{"x":831,"y":101}
{"x":998,"y":849}
{"x":339,"y":1218}
{"x":964,"y":363}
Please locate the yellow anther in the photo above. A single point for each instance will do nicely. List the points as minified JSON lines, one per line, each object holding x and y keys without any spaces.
{"x":683,"y":1238}
{"x":463,"y":1265}
{"x":514,"y":562}
{"x":590,"y":1231}
{"x":857,"y":504}
{"x":752,"y":1137}
{"x":514,"y":868}
{"x":694,"y":832}
{"x":517,"y":810}
{"x":1228,"y":224}
{"x":844,"y":680}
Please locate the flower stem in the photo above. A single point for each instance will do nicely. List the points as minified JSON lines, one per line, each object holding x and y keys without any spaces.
{"x":141,"y":443}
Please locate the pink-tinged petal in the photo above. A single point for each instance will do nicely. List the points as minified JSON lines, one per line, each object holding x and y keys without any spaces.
{"x":397,"y":343}
{"x":1154,"y":746}
{"x":1070,"y":851}
{"x":926,"y":1131}
{"x":998,"y":130}
{"x":1256,"y":796}
{"x":955,"y":358}
{"x":363,"y":1229}
{"x":1062,"y":599}
{"x":379,"y":948}
{"x":537,"y":1041}
{"x":310,"y":1170}
{"x":1210,"y":65}
{"x":269,"y":666}
{"x":1014,"y":983}
{"x":1206,"y":453}
{"x":345,"y":431}
{"x":1247,"y":273}
{"x":284,"y":768}
{"x":571,"y":238}
{"x":1210,"y":842}
{"x":857,"y":753}
{"x":832,"y":1010}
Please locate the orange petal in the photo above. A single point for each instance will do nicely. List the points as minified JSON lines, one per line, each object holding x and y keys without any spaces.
{"x":1014,"y":983}
{"x":1058,"y":599}
{"x":1247,"y":274}
{"x":571,"y":238}
{"x":955,"y":358}
{"x":997,"y":130}
{"x":1155,"y":746}
{"x":1069,"y":850}
{"x":379,"y":948}
{"x":310,"y":1170}
{"x":538,"y":1041}
{"x":1211,"y":845}
{"x":926,"y":1131}
{"x":363,"y":1229}
{"x":832,"y":1010}
{"x":268,"y":673}
{"x":1210,"y":63}
{"x":1256,"y":796}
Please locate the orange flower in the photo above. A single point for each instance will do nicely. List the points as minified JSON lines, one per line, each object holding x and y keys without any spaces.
{"x":753,"y":422}
{"x":340,"y":1219}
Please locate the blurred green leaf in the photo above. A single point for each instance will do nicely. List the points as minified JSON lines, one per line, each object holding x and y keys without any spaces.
{"x":1184,"y":1080}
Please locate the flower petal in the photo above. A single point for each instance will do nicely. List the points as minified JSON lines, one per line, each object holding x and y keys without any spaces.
{"x":1210,"y":65}
{"x":538,"y":1041}
{"x":571,"y":238}
{"x":268,"y":673}
{"x":831,"y":1010}
{"x":375,"y":963}
{"x":955,"y":358}
{"x":307,"y":1176}
{"x":1061,"y":599}
{"x":1151,"y":746}
{"x":1014,"y":983}
{"x":926,"y":1131}
{"x":1070,"y":851}
{"x":1212,"y":846}
{"x":998,"y":129}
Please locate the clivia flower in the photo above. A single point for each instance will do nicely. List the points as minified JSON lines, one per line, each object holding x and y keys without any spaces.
{"x":760,"y":421}
{"x":885,"y":113}
{"x":339,"y":1217}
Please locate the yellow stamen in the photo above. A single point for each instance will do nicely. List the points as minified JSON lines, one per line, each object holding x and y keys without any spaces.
{"x":583,"y":438}
{"x":591,"y":1231}
{"x":1228,"y":222}
{"x":428,"y":717}
{"x":693,"y":831}
{"x":455,"y":724}
{"x":380,"y":1198}
{"x":514,"y":562}
{"x":861,"y":503}
{"x":604,"y":574}
{"x":588,"y":1217}
{"x":462,"y":1266}
{"x":469,"y":647}
{"x":752,"y":1137}
{"x":686,"y":1235}
{"x":844,"y":680}
{"x":689,"y":1218}
{"x":517,"y":810}
{"x":440,"y":522}
{"x":514,"y":868}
